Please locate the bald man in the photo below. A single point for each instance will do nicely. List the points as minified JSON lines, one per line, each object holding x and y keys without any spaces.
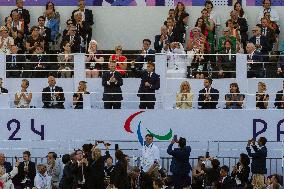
{"x":53,"y":96}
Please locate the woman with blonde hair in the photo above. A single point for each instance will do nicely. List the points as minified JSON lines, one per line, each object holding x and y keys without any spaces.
{"x":93,"y":62}
{"x":258,"y":181}
{"x":261,"y":98}
{"x":24,"y":97}
{"x":184,"y":97}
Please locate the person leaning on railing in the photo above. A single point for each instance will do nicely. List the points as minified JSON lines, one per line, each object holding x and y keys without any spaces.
{"x":184,"y":97}
{"x":234,"y":100}
{"x":261,"y":98}
{"x":94,"y":62}
{"x":208,"y":96}
{"x":66,"y":61}
{"x":279,"y":100}
{"x":78,"y":97}
{"x":23,"y":98}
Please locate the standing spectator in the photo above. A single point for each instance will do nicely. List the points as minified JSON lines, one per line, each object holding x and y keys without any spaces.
{"x":82,"y":29}
{"x":227,"y":61}
{"x":53,"y":96}
{"x":179,"y":12}
{"x":53,"y":169}
{"x":80,"y":170}
{"x":8,"y":24}
{"x":66,"y":61}
{"x":268,"y":32}
{"x":44,"y":32}
{"x":180,"y":29}
{"x":18,"y":29}
{"x":5,"y":41}
{"x":254,"y":64}
{"x":67,"y":179}
{"x":176,"y":59}
{"x":150,"y":82}
{"x":213,"y":16}
{"x":24,"y":97}
{"x":261,"y":98}
{"x":150,"y":153}
{"x":261,"y":43}
{"x":42,"y":179}
{"x":208,"y":97}
{"x":162,"y":39}
{"x":234,"y":100}
{"x":198,"y":174}
{"x":258,"y":164}
{"x":26,"y":172}
{"x":7,"y":176}
{"x":34,"y":40}
{"x":146,"y":55}
{"x":180,"y":166}
{"x":280,"y":65}
{"x":233,"y":30}
{"x":112,"y":82}
{"x":87,"y":17}
{"x":238,"y":7}
{"x":108,"y":169}
{"x":73,"y":39}
{"x":226,"y":181}
{"x":78,"y":97}
{"x":279,"y":100}
{"x":93,"y":61}
{"x":14,"y":62}
{"x":120,"y":60}
{"x":184,"y":97}
{"x":52,"y":23}
{"x":266,"y":7}
{"x":210,"y":28}
{"x":2,"y":90}
{"x":50,"y":6}
{"x":24,"y":14}
{"x":119,"y":178}
{"x":241,"y":171}
{"x":212,"y":174}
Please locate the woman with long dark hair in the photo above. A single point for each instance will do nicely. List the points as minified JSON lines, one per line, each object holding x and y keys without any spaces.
{"x":119,"y":177}
{"x":241,"y":171}
{"x":234,"y":100}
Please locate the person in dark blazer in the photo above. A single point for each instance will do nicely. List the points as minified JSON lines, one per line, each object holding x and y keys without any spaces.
{"x":150,"y":82}
{"x":146,"y":55}
{"x":267,"y":32}
{"x":258,"y":163}
{"x":227,"y":62}
{"x":26,"y":172}
{"x":24,"y":13}
{"x":39,"y":62}
{"x":162,"y":39}
{"x":53,"y":96}
{"x":112,"y":82}
{"x":67,"y":179}
{"x":208,"y":96}
{"x":261,"y":43}
{"x":14,"y":62}
{"x":73,"y":39}
{"x":241,"y":171}
{"x":44,"y":32}
{"x":279,"y":100}
{"x":180,"y":166}
{"x":226,"y":181}
{"x":2,"y":89}
{"x":119,"y":177}
{"x":79,"y":170}
{"x":280,"y":65}
{"x":255,"y":65}
{"x":6,"y":165}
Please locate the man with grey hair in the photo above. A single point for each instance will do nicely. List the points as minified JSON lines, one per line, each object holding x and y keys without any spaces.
{"x":42,"y":179}
{"x":260,"y":41}
{"x":254,"y":62}
{"x":227,"y":37}
{"x":162,"y":39}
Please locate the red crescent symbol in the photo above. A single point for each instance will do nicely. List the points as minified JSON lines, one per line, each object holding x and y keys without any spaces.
{"x":128,"y":121}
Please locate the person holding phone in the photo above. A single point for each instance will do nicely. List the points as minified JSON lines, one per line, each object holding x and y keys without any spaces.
{"x":6,"y":176}
{"x":180,"y":166}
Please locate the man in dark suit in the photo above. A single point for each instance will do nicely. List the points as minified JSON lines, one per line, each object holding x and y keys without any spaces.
{"x":267,"y":32}
{"x":38,"y":60}
{"x":226,"y":181}
{"x":26,"y":172}
{"x":161,"y":40}
{"x":258,"y":163}
{"x":261,"y":43}
{"x":24,"y":13}
{"x":279,"y":100}
{"x":180,"y":166}
{"x":255,"y":65}
{"x":73,"y":39}
{"x":208,"y":97}
{"x":227,"y":62}
{"x":53,"y":96}
{"x":2,"y":89}
{"x":150,"y":82}
{"x":146,"y":54}
{"x":44,"y":32}
{"x":5,"y":165}
{"x":14,"y":62}
{"x":112,"y":82}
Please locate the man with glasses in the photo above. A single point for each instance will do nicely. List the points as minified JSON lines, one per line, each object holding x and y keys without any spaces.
{"x":227,"y":37}
{"x":260,"y":41}
{"x":2,"y":89}
{"x":266,"y":7}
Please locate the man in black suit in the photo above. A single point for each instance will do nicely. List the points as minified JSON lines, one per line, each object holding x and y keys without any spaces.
{"x":150,"y":82}
{"x":146,"y":55}
{"x":267,"y":32}
{"x":2,"y":89}
{"x":280,"y":65}
{"x":44,"y":32}
{"x":242,"y":25}
{"x":6,"y":166}
{"x":83,"y":29}
{"x":38,"y":60}
{"x":226,"y":181}
{"x":14,"y":62}
{"x":112,"y":82}
{"x":261,"y":43}
{"x":208,"y":97}
{"x":227,"y":62}
{"x":255,"y":65}
{"x":161,"y":40}
{"x":180,"y":166}
{"x":88,"y":18}
{"x":258,"y":163}
{"x":26,"y":172}
{"x":53,"y":96}
{"x":24,"y":13}
{"x":73,"y":39}
{"x":279,"y":100}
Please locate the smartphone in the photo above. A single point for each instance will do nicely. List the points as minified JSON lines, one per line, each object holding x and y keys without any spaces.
{"x":175,"y":138}
{"x":100,"y":141}
{"x":16,"y":158}
{"x":116,"y":147}
{"x":108,"y":144}
{"x":207,"y":155}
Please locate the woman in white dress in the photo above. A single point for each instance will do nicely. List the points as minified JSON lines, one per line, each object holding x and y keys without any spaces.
{"x":23,"y":98}
{"x":6,"y":178}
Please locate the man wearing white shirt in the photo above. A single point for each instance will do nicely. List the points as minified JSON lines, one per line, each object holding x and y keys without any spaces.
{"x":266,"y":7}
{"x":150,"y":153}
{"x":42,"y":180}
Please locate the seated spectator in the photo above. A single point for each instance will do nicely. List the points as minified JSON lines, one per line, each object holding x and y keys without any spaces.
{"x":94,"y":63}
{"x":162,"y":39}
{"x":52,"y":23}
{"x":226,"y":181}
{"x":279,"y":100}
{"x":268,"y":32}
{"x":24,"y":14}
{"x":227,"y":62}
{"x":233,"y":29}
{"x":6,"y":176}
{"x":200,"y":23}
{"x":175,"y":56}
{"x":210,"y":24}
{"x":266,"y":7}
{"x":24,"y":97}
{"x":69,"y":23}
{"x":258,"y":181}
{"x":274,"y":181}
{"x":241,"y":171}
{"x":44,"y":32}
{"x":83,"y":29}
{"x":234,"y":100}
{"x":197,"y":41}
{"x":227,"y":37}
{"x":261,"y":98}
{"x":184,"y":98}
{"x":158,"y":184}
{"x":171,"y":25}
{"x":120,"y":60}
{"x":5,"y":41}
{"x":34,"y":40}
{"x":18,"y":24}
{"x":73,"y":39}
{"x":66,"y":61}
{"x":254,"y":64}
{"x":13,"y":32}
{"x":50,"y":6}
{"x":199,"y":66}
{"x":271,"y":24}
{"x":15,"y":63}
{"x":208,"y":97}
{"x":2,"y":89}
{"x":53,"y":169}
{"x":42,"y":179}
{"x":78,"y":97}
{"x":119,"y":177}
{"x":146,"y":55}
{"x":53,"y":96}
{"x":39,"y":63}
{"x":8,"y":24}
{"x":261,"y":43}
{"x":280,"y":66}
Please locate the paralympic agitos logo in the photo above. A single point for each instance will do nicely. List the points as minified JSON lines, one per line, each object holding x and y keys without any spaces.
{"x":127,"y":127}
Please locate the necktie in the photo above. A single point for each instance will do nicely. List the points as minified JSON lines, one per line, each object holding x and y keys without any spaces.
{"x":149,"y":74}
{"x":14,"y":61}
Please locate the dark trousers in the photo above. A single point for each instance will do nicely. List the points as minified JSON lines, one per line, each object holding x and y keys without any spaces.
{"x":112,"y":105}
{"x":146,"y":105}
{"x":181,"y":181}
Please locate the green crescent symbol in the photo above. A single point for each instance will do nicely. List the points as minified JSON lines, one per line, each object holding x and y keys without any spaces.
{"x":168,"y":136}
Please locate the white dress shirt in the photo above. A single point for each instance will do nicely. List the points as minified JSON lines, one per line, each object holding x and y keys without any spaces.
{"x":42,"y":181}
{"x":150,"y":153}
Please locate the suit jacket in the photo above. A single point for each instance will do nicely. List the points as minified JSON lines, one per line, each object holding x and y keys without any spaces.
{"x":228,"y":183}
{"x":256,"y":57}
{"x":263,"y":42}
{"x":68,"y":177}
{"x":158,"y":46}
{"x":8,"y":167}
{"x":36,"y":59}
{"x":242,"y":22}
{"x":25,"y":15}
{"x":154,"y":81}
{"x":3,"y":90}
{"x":214,"y":94}
{"x":89,"y":18}
{"x":258,"y":163}
{"x":21,"y":173}
{"x":46,"y":38}
{"x":142,"y":58}
{"x":76,"y":47}
{"x":270,"y":35}
{"x":119,"y":176}
{"x":278,"y":100}
{"x":83,"y":30}
{"x":111,"y":87}
{"x":180,"y":161}
{"x":46,"y":97}
{"x":20,"y":59}
{"x":222,"y":41}
{"x":243,"y":175}
{"x":224,"y":62}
